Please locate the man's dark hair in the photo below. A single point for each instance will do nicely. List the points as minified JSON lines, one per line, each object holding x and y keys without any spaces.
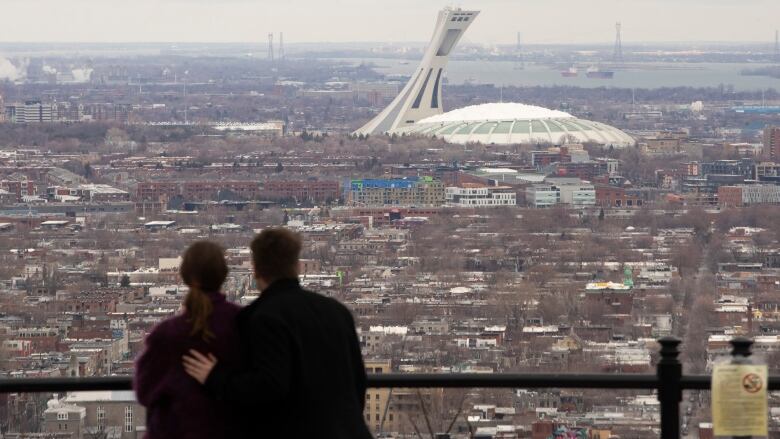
{"x":275,"y":254}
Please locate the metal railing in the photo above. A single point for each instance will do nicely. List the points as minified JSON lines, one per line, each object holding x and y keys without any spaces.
{"x":668,"y":381}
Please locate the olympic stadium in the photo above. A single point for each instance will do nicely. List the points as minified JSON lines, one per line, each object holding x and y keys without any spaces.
{"x":510,"y":123}
{"x":417,"y":109}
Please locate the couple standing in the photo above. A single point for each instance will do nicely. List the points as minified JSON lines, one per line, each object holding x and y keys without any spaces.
{"x":287,"y":365}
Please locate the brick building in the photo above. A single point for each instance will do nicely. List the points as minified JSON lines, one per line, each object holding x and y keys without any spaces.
{"x":772,"y":143}
{"x":113,"y":414}
{"x":311,"y":190}
{"x":157,"y":190}
{"x":19,"y":186}
{"x":195,"y":190}
{"x":609,"y":298}
{"x":611,"y":196}
{"x":209,"y":190}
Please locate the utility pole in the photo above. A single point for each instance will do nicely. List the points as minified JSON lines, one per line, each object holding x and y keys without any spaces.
{"x":270,"y":46}
{"x":618,"y":53}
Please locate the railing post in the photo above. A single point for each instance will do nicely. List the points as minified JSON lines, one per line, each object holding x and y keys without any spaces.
{"x":669,"y":392}
{"x":740,"y":348}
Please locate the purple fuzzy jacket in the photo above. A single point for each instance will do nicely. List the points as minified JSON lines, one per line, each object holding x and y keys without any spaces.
{"x":177,"y":406}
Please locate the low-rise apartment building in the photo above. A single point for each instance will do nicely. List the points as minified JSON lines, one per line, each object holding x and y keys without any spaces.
{"x":409,"y":191}
{"x":312,"y":190}
{"x":748,"y":194}
{"x":480,"y":196}
{"x":569,"y":191}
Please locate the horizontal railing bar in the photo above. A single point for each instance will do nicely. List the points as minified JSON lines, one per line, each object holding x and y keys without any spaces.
{"x":704,"y":382}
{"x":512,"y":380}
{"x":416,"y":380}
{"x":31,"y":385}
{"x":699,"y":382}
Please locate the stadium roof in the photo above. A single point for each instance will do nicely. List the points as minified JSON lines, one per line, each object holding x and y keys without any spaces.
{"x":511,"y":123}
{"x":494,"y":111}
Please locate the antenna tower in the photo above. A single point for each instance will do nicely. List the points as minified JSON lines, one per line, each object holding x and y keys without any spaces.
{"x":281,"y":46}
{"x":618,"y":54}
{"x":270,"y":46}
{"x":777,"y":45}
{"x":519,"y":61}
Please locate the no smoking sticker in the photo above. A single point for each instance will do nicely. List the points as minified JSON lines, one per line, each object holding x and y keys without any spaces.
{"x":739,"y":400}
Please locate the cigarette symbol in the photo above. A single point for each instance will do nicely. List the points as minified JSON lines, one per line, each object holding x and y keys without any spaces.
{"x":752,"y":383}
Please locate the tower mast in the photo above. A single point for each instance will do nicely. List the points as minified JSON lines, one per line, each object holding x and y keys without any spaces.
{"x":421,"y":96}
{"x":520,"y":62}
{"x":281,"y":46}
{"x":270,"y":46}
{"x":618,"y":53}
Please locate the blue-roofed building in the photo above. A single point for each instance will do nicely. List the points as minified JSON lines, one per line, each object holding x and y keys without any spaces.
{"x":757,"y":109}
{"x":384,"y":183}
{"x":407,"y":191}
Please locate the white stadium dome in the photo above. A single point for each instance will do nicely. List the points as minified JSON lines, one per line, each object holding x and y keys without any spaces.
{"x":511,"y":123}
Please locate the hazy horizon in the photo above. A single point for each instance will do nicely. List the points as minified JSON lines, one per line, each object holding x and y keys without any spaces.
{"x":421,"y":44}
{"x":559,"y":22}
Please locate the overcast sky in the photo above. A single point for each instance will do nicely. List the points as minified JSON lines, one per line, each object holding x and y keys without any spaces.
{"x":540,"y":21}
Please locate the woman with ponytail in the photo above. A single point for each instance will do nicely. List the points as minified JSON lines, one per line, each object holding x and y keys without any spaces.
{"x":177,"y":406}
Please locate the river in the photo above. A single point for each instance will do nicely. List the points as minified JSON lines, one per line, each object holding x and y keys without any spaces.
{"x":634,"y":75}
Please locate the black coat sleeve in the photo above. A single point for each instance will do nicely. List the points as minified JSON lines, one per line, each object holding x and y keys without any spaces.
{"x":359,"y":369}
{"x":268,"y":374}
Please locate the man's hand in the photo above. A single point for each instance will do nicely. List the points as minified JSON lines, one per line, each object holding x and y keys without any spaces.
{"x":198,"y":365}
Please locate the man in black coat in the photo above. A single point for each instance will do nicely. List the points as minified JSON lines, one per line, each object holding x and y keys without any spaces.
{"x":304,"y":375}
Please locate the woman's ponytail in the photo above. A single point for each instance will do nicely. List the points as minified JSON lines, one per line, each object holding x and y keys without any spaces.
{"x":203,"y":269}
{"x":199,"y":308}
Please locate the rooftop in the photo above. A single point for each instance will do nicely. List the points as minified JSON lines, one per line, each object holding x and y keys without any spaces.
{"x":496,"y":110}
{"x":515,"y":123}
{"x":102,"y":395}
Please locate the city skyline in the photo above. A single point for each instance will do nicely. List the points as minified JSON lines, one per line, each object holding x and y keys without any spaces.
{"x":353,"y":21}
{"x":560,"y":210}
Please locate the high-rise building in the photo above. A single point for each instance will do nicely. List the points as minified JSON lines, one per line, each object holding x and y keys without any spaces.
{"x":421,"y":97}
{"x":30,"y":112}
{"x":772,"y":143}
{"x":376,"y":409}
{"x":395,"y":410}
